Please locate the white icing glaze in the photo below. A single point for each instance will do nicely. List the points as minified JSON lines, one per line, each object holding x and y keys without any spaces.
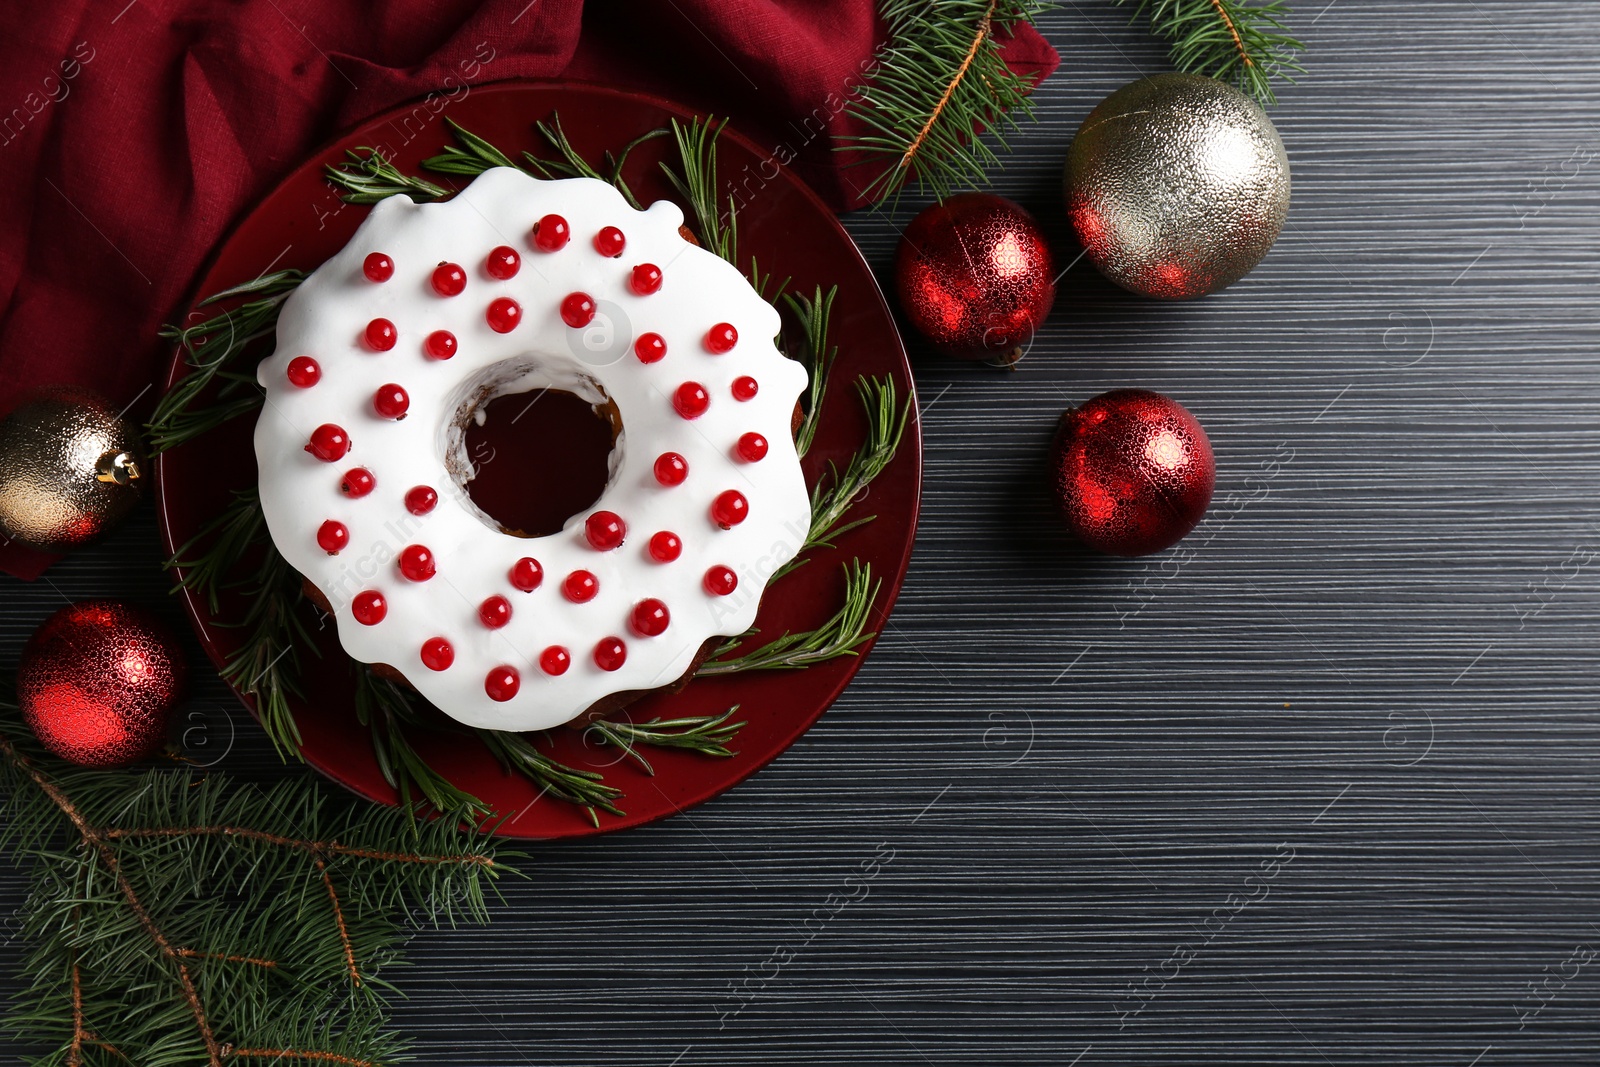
{"x":325,"y":319}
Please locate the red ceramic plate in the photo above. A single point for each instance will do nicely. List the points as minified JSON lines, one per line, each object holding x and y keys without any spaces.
{"x":791,"y":234}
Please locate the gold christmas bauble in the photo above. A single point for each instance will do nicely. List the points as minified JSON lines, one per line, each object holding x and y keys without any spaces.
{"x":69,"y":470}
{"x":1177,"y":185}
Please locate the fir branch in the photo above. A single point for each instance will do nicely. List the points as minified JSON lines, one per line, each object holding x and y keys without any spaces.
{"x":839,"y":636}
{"x":941,"y":84}
{"x":817,"y":356}
{"x":834,"y":495}
{"x":370,"y":178}
{"x":716,"y":225}
{"x":1247,"y":45}
{"x":231,"y":917}
{"x":706,"y":735}
{"x":587,"y":789}
{"x":210,"y":348}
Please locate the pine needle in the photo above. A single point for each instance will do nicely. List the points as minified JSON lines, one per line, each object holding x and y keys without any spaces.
{"x":940,"y":85}
{"x":1246,"y":45}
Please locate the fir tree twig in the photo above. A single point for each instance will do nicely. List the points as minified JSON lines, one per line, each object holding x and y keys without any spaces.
{"x":193,"y":921}
{"x":1245,"y":44}
{"x":942,"y":83}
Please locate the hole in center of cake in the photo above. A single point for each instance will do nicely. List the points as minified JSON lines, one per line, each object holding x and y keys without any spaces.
{"x":540,"y":458}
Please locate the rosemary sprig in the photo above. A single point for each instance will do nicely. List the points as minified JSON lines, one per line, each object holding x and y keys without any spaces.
{"x":470,"y":156}
{"x":1245,"y":44}
{"x":210,"y":347}
{"x":817,"y":355}
{"x":706,"y":735}
{"x":387,"y":709}
{"x":716,"y":225}
{"x":839,"y":636}
{"x":227,"y":538}
{"x":267,"y":665}
{"x":833,"y":496}
{"x":587,"y":789}
{"x":942,"y":81}
{"x":370,"y":178}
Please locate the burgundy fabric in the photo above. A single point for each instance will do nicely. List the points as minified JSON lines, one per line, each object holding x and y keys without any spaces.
{"x":131,"y":137}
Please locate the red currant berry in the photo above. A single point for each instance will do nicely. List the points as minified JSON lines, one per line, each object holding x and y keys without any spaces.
{"x":604,"y":530}
{"x":332,"y":536}
{"x":671,"y":468}
{"x":449,"y":279}
{"x":665,"y":547}
{"x":729,"y":509}
{"x":745,"y":388}
{"x":329,"y":442}
{"x":416,"y":563}
{"x":526,"y":574}
{"x":551,"y":233}
{"x":369,"y":607}
{"x":495,"y":612}
{"x":650,"y":618}
{"x":580,"y":587}
{"x":304,"y":372}
{"x":391,"y":401}
{"x":503,"y":315}
{"x":502,"y":683}
{"x":437,"y":655}
{"x":609,"y":241}
{"x":503,"y":263}
{"x":720,"y":580}
{"x":721,"y":338}
{"x":752,"y":448}
{"x":691,"y":400}
{"x":421,"y":499}
{"x":650,"y":348}
{"x":357,"y":482}
{"x":441,"y":344}
{"x":610,"y":653}
{"x":381,"y":335}
{"x":555,"y":660}
{"x":377,"y":267}
{"x":645,"y":279}
{"x":577,"y":310}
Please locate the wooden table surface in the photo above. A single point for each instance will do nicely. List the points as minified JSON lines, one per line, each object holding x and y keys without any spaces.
{"x":1317,"y":787}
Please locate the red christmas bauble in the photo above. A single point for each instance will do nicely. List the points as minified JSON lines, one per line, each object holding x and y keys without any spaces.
{"x":1132,"y":471}
{"x":98,"y":682}
{"x":975,"y":277}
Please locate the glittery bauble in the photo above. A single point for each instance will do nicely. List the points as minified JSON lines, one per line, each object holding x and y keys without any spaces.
{"x":975,"y":277}
{"x":1132,"y":471}
{"x":98,"y":682}
{"x":1177,"y":185}
{"x":69,"y":470}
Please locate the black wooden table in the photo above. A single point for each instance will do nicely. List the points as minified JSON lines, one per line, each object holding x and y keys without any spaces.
{"x":1318,"y":787}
